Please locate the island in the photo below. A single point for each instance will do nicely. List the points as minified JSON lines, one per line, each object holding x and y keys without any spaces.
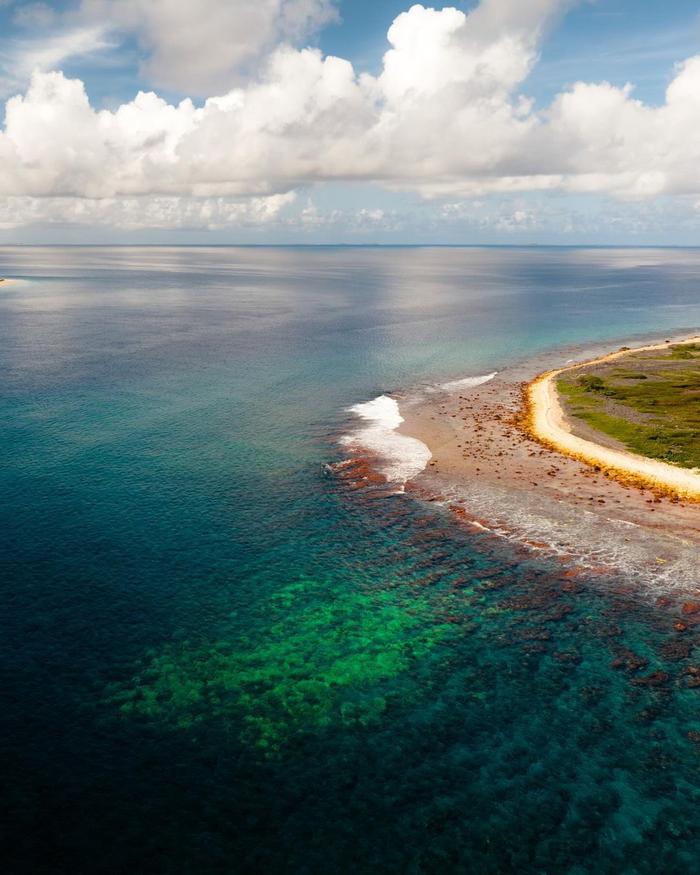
{"x":634,"y":413}
{"x":585,"y":453}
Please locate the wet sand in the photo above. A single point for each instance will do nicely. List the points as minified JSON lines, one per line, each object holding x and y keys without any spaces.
{"x":493,"y":474}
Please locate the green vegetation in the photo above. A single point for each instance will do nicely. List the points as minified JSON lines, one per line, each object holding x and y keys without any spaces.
{"x":318,"y":663}
{"x":653,"y":409}
{"x":691,"y":351}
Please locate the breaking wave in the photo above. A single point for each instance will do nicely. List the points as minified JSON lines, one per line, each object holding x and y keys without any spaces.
{"x":399,"y":457}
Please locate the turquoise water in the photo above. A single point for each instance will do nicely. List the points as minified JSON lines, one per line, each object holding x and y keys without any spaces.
{"x":216,"y":658}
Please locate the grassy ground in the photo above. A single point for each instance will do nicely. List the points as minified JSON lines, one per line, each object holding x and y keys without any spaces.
{"x":650,"y":402}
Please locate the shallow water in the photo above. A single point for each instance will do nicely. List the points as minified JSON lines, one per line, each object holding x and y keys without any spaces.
{"x":217,"y":657}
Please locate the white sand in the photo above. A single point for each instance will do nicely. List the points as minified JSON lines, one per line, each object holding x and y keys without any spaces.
{"x":549,"y":424}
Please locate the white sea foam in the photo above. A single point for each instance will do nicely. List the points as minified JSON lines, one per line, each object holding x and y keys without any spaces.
{"x":661,"y":562}
{"x":401,"y":457}
{"x":467,"y":382}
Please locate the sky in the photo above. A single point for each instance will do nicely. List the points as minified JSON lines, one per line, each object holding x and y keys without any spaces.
{"x":565,"y":122}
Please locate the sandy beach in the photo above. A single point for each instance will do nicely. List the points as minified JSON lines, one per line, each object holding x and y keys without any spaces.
{"x":548,"y":423}
{"x":496,"y":475}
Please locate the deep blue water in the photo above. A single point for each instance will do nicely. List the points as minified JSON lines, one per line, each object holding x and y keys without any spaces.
{"x":215,"y":659}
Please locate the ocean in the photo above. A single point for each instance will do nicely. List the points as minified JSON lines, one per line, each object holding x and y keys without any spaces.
{"x":217,"y":657}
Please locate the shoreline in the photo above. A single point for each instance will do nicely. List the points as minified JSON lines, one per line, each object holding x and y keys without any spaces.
{"x":492,"y":475}
{"x":546,"y":421}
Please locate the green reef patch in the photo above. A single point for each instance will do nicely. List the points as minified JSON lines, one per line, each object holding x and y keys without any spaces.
{"x":315,"y":663}
{"x":648,"y":401}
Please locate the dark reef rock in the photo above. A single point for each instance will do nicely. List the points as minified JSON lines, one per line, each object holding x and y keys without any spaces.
{"x":629,"y":661}
{"x":655,"y":679}
{"x":676,"y":650}
{"x":535,"y":634}
{"x":570,"y":657}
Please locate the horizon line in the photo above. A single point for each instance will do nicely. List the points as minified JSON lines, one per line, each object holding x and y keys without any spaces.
{"x":354,"y":245}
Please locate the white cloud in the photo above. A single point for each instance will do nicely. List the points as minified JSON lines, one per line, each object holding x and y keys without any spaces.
{"x":349,"y":220}
{"x":306,"y":118}
{"x":138,"y":213}
{"x":20,"y":58}
{"x":202,"y":45}
{"x":444,"y":118}
{"x":517,"y":220}
{"x":485,"y":54}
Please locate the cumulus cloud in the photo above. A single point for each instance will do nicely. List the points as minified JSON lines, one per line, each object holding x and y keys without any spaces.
{"x":203,"y":45}
{"x":444,"y":117}
{"x":608,"y":141}
{"x":307,"y":117}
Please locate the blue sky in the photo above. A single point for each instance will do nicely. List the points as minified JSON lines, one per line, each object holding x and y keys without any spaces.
{"x":527,"y":156}
{"x":621,"y":41}
{"x":617,"y":40}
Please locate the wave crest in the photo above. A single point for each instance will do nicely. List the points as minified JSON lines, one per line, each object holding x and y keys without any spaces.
{"x":400,"y":457}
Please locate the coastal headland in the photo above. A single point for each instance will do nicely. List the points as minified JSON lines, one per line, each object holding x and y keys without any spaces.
{"x":508,"y":457}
